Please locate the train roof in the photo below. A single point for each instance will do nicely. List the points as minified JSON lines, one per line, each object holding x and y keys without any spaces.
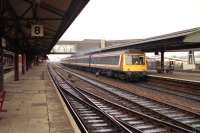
{"x":111,"y":53}
{"x":118,"y":51}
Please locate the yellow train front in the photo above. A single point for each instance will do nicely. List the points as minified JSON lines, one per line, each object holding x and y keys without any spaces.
{"x":135,"y":65}
{"x":121,"y":64}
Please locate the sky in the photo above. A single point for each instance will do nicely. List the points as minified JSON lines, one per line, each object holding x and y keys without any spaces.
{"x":133,"y":19}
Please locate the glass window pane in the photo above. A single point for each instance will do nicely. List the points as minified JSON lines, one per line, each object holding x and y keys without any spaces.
{"x":134,"y":60}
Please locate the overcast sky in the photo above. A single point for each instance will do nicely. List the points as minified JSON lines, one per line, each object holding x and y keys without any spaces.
{"x":130,"y":19}
{"x":133,"y":19}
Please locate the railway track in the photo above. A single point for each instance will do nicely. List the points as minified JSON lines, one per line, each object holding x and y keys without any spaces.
{"x":89,"y":118}
{"x":186,"y":90}
{"x":94,"y":120}
{"x":129,"y":120}
{"x":140,"y":121}
{"x":150,"y":107}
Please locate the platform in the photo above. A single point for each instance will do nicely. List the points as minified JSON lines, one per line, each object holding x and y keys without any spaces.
{"x":186,"y":76}
{"x":33,"y":105}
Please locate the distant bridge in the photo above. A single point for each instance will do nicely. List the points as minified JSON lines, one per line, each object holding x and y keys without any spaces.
{"x":63,"y":49}
{"x":62,"y":53}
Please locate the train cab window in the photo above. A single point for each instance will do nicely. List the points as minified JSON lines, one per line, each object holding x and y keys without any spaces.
{"x":129,"y":59}
{"x":135,"y":60}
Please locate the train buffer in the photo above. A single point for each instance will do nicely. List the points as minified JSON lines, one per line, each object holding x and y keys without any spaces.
{"x":2,"y":98}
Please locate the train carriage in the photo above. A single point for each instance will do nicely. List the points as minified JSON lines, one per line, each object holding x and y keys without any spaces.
{"x":124,"y":64}
{"x":107,"y":61}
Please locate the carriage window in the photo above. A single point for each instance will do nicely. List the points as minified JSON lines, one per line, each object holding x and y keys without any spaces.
{"x":111,"y":60}
{"x":135,"y":60}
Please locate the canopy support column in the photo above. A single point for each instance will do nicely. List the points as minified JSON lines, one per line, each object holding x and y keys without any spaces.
{"x":27,"y":58}
{"x":162,"y":62}
{"x":1,"y":66}
{"x":23,"y":63}
{"x":191,"y":58}
{"x":2,"y":26}
{"x":16,"y":67}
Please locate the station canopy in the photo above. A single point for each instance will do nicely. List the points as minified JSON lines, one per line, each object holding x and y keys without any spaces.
{"x":34,"y":26}
{"x":177,"y":41}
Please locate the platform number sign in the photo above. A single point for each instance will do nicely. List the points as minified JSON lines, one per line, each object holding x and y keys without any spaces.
{"x":37,"y":30}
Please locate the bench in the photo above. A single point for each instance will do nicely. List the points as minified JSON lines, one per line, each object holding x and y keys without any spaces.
{"x":2,"y":98}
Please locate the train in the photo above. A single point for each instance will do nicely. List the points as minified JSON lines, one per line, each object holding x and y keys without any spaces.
{"x":126,"y":64}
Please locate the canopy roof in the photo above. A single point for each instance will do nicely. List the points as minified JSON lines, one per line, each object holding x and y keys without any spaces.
{"x":19,"y":16}
{"x":187,"y":39}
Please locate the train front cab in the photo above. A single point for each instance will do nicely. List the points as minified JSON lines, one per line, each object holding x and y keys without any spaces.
{"x":135,"y":65}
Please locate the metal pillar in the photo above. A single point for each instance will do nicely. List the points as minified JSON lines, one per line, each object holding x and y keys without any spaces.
{"x":27,"y":67}
{"x":2,"y":11}
{"x":1,"y":66}
{"x":37,"y":60}
{"x":23,"y":63}
{"x":30,"y":63}
{"x":162,"y":62}
{"x":191,"y":58}
{"x":16,"y":67}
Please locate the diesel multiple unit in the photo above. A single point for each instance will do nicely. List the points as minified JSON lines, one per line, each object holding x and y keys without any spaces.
{"x":123,"y":64}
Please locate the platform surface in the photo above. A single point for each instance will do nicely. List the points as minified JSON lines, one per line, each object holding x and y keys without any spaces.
{"x":188,"y":76}
{"x":33,"y":105}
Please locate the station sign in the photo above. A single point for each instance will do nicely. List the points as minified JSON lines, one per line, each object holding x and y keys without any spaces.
{"x":37,"y":30}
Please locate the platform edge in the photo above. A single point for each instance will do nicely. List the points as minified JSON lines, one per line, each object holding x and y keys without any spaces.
{"x":72,"y":121}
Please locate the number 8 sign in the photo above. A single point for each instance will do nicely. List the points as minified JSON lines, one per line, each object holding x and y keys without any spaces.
{"x":37,"y":30}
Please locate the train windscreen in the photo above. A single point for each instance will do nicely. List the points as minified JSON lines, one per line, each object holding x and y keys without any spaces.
{"x":135,"y":60}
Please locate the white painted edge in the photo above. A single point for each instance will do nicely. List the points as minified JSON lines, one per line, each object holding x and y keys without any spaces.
{"x":71,"y":119}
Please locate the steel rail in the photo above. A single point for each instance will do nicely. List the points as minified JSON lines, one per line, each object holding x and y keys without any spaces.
{"x":127,"y":114}
{"x":154,"y":84}
{"x":93,"y":120}
{"x":97,"y":99}
{"x":58,"y":81}
{"x":173,"y":92}
{"x":182,"y":118}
